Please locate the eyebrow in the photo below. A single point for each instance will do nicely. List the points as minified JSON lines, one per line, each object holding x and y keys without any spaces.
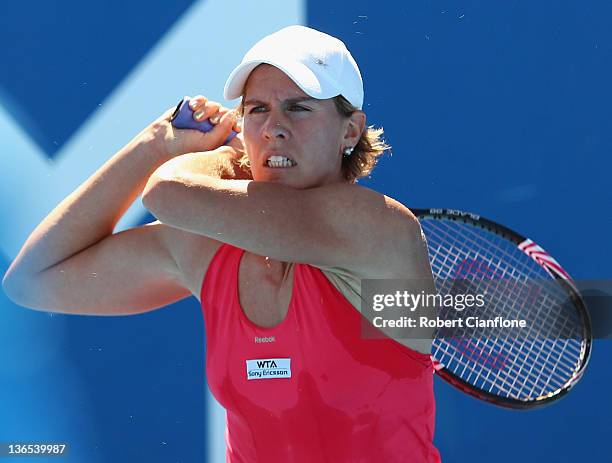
{"x":288,"y":101}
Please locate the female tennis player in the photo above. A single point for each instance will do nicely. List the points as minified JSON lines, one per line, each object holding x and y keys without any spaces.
{"x":272,"y":235}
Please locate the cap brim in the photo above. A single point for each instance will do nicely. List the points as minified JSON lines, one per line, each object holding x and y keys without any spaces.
{"x":297,"y":72}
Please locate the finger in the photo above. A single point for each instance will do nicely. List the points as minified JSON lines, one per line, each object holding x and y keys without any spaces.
{"x":215,"y":118}
{"x":223,"y":110}
{"x":229,"y":120}
{"x":197,"y":101}
{"x":237,"y":127}
{"x":238,"y":124}
{"x":239,"y":119}
{"x":209,"y":108}
{"x":222,"y":130}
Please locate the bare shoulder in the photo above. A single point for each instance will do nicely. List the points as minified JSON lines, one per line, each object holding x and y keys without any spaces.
{"x":191,"y":252}
{"x":392,"y":237}
{"x":394,"y":240}
{"x":405,"y":218}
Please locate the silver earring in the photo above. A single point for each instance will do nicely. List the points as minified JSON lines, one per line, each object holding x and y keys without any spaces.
{"x":347,"y":151}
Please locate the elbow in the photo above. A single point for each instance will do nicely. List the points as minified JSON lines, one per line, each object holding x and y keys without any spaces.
{"x":150,"y":193}
{"x":16,"y":288}
{"x":158,"y":196}
{"x":7,"y":286}
{"x":161,"y":176}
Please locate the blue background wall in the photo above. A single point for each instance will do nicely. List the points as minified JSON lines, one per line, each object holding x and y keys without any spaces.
{"x":499,"y":108}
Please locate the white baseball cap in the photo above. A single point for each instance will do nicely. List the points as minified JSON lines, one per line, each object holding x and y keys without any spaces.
{"x":318,"y":63}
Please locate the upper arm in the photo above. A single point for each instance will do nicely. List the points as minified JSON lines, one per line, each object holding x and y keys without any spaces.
{"x":126,"y":273}
{"x":338,"y":225}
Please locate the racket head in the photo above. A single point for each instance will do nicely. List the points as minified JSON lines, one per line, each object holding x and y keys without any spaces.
{"x":455,"y":237}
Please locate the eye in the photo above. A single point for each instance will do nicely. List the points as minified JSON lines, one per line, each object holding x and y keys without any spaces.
{"x":257,"y":109}
{"x":297,"y":107}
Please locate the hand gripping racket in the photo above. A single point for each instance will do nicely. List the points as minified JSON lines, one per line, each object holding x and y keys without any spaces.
{"x":518,"y":372}
{"x":182,"y":118}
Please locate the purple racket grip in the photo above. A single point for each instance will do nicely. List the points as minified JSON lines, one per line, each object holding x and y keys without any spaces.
{"x":182,"y":118}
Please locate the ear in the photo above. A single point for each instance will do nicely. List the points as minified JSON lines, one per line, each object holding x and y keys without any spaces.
{"x":354,"y":128}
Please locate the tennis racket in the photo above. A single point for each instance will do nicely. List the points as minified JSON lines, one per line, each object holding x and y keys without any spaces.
{"x":520,"y":372}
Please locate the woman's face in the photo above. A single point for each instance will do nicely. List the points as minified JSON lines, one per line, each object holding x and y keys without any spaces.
{"x":281,"y":120}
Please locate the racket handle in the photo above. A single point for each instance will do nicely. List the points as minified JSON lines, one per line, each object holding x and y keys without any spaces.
{"x":182,"y":118}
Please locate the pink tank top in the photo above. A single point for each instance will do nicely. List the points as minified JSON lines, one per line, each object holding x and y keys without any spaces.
{"x":311,"y":389}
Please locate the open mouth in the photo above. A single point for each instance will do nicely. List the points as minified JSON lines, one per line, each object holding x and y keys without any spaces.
{"x":280,"y":162}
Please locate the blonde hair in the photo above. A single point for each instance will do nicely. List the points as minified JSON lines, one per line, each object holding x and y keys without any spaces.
{"x":365,"y":153}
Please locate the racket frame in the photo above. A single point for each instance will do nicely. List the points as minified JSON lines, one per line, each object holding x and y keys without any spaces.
{"x":562,"y":278}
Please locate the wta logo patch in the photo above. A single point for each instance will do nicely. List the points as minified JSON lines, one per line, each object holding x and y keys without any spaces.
{"x":268,"y":368}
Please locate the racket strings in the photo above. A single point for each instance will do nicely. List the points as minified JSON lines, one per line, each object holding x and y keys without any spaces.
{"x":519,"y":368}
{"x":514,"y":298}
{"x":551,"y":318}
{"x":499,"y":376}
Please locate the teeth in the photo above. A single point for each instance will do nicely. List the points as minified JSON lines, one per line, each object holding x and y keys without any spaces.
{"x":280,"y":161}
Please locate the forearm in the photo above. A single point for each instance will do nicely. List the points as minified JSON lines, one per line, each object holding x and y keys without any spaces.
{"x":222,"y":163}
{"x":91,"y":212}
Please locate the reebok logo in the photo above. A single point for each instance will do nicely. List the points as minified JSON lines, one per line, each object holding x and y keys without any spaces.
{"x":267,"y":339}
